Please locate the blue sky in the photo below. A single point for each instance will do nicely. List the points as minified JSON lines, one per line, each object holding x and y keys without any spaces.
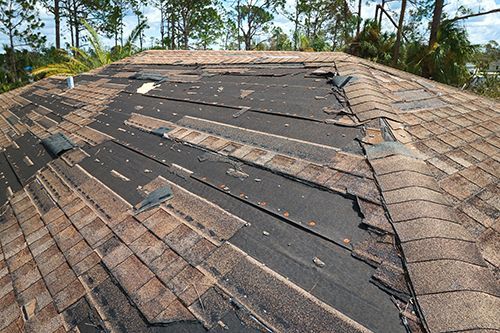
{"x":480,"y":29}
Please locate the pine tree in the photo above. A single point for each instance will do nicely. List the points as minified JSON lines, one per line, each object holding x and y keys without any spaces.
{"x":20,"y":22}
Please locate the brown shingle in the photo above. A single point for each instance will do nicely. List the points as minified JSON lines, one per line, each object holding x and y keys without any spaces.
{"x":432,"y":249}
{"x":25,"y":276}
{"x":404,"y":179}
{"x":431,"y":277}
{"x":459,"y":187}
{"x":153,"y":298}
{"x":395,"y":163}
{"x":489,"y":244}
{"x":113,"y":252}
{"x":67,"y":238}
{"x":448,"y":312}
{"x":176,"y":311}
{"x":182,"y":238}
{"x":430,"y":228}
{"x":69,"y":295}
{"x":49,"y":260}
{"x":168,"y":265}
{"x":95,"y":232}
{"x":59,"y":279}
{"x":129,"y":230}
{"x":148,"y":247}
{"x":414,"y":193}
{"x":132,"y":274}
{"x":190,"y":284}
{"x":437,"y":145}
{"x":477,"y":176}
{"x":161,"y":223}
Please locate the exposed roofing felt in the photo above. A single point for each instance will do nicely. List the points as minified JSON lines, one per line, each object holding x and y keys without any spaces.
{"x":248,"y":192}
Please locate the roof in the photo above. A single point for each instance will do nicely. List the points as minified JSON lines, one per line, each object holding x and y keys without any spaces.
{"x":196,"y":191}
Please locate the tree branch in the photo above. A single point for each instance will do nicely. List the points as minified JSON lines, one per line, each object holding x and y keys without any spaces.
{"x":465,"y":17}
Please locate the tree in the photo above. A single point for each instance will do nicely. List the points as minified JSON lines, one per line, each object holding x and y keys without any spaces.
{"x":397,"y":45}
{"x":230,"y":34}
{"x":111,"y":17}
{"x":254,"y":17}
{"x":19,"y":21}
{"x":279,"y":41}
{"x":97,"y":56}
{"x":326,"y":24}
{"x":53,"y":6}
{"x":137,"y":7}
{"x":162,"y":6}
{"x":209,"y":29}
{"x":74,"y":11}
{"x":197,"y":19}
{"x":373,"y":44}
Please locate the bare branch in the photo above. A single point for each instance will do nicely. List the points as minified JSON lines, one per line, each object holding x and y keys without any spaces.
{"x":465,"y":17}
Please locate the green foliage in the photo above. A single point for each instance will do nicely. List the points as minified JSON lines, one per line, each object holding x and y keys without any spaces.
{"x":447,"y":58}
{"x":486,"y":80}
{"x":19,"y":21}
{"x":373,"y":44}
{"x":24,"y":59}
{"x":97,"y":56}
{"x":487,"y":85}
{"x":279,"y":40}
{"x":486,"y":55}
{"x":255,"y":20}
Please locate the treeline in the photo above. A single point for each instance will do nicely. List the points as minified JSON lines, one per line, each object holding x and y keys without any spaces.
{"x":424,"y":40}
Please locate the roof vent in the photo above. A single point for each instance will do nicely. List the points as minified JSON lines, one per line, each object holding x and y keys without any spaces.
{"x":340,"y":81}
{"x":155,"y":198}
{"x":57,"y":144}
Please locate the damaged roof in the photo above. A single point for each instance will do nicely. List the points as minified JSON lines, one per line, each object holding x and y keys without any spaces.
{"x":214,"y":191}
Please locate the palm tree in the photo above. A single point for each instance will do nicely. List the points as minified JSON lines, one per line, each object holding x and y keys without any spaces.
{"x":373,"y":44}
{"x":447,"y":57}
{"x":84,"y":61}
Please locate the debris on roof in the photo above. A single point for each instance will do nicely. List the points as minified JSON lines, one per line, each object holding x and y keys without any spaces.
{"x":208,"y":191}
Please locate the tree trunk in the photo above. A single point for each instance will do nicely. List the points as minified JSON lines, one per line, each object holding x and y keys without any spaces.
{"x":76,"y":22}
{"x":57,"y":23}
{"x":140,"y":34}
{"x":296,"y":27}
{"x":172,"y":24}
{"x":248,"y":42}
{"x":12,"y":55}
{"x":162,"y":26}
{"x":381,"y":13}
{"x":436,"y":22}
{"x":71,"y":31}
{"x":238,"y":11}
{"x":121,"y":28}
{"x":395,"y":56}
{"x":359,"y":17}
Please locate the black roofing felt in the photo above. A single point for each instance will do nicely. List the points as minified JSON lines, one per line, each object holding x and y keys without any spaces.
{"x":31,"y":147}
{"x":288,"y":250}
{"x":281,"y":106}
{"x":7,"y":178}
{"x":343,"y":282}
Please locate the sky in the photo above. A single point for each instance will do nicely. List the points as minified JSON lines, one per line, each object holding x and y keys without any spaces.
{"x":480,"y":29}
